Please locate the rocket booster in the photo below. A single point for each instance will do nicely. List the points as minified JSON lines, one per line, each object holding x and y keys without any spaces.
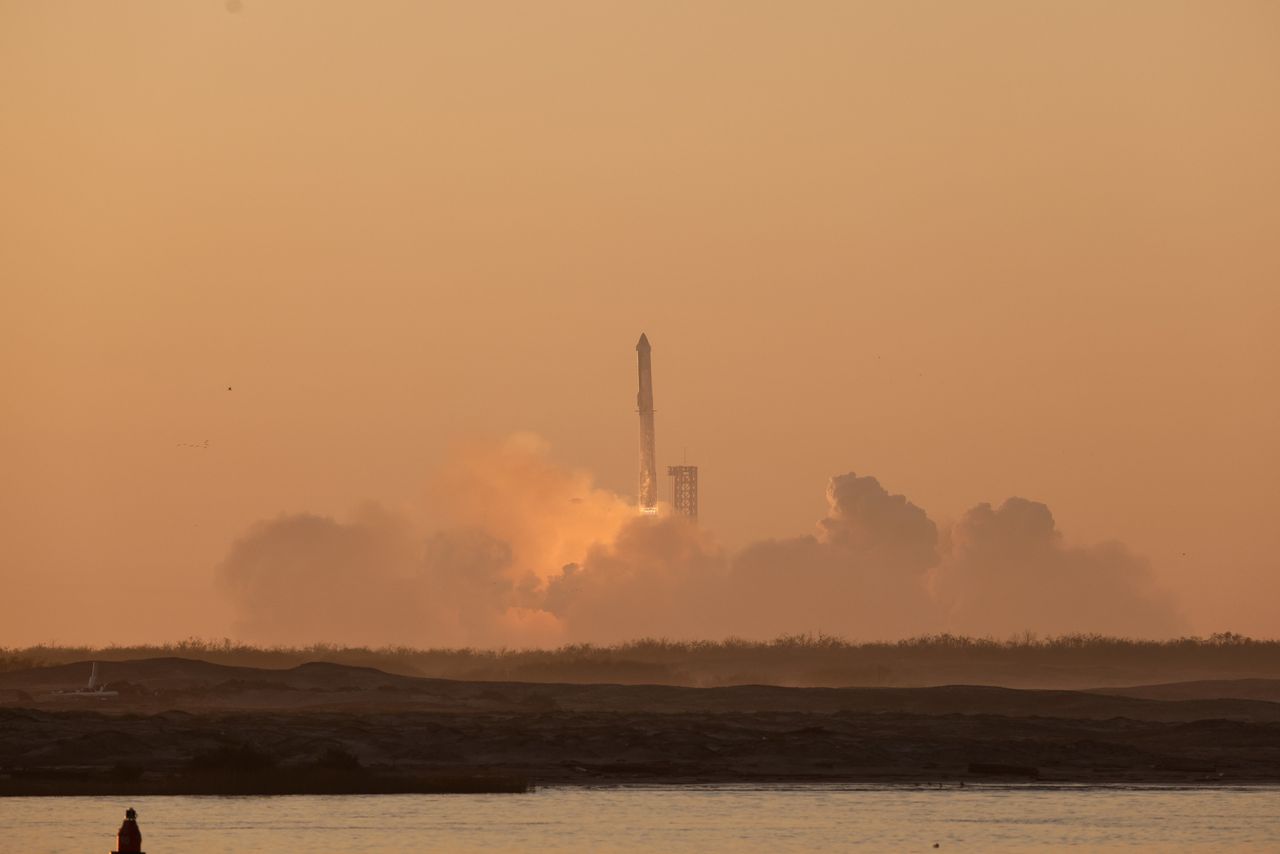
{"x":648,"y":493}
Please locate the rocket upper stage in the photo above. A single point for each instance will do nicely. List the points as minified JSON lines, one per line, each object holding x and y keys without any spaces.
{"x":648,"y":492}
{"x":644,"y":398}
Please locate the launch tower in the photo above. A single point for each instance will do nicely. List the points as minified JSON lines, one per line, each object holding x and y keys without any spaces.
{"x":684,"y":489}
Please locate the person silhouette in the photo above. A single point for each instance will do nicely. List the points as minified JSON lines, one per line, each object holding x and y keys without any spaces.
{"x":129,"y":839}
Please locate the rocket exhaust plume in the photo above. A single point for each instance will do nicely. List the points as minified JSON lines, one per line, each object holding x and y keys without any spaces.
{"x":648,"y":493}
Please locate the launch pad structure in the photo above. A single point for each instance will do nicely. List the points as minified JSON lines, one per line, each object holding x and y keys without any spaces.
{"x":684,"y":490}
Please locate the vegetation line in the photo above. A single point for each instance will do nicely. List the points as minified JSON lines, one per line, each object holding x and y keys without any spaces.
{"x":808,"y":659}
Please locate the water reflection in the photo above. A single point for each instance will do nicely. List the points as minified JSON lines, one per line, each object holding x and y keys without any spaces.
{"x":687,"y":818}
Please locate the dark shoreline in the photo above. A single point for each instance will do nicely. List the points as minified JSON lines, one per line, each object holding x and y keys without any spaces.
{"x":80,"y":752}
{"x":365,"y":785}
{"x":495,"y":787}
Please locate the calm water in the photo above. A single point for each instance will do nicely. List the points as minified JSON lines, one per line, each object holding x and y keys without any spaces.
{"x":717,"y":818}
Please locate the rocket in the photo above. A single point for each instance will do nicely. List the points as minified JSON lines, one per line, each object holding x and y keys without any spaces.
{"x":648,"y":493}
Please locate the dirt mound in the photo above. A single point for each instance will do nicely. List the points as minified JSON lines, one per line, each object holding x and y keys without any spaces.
{"x":1208,"y":689}
{"x":174,"y":683}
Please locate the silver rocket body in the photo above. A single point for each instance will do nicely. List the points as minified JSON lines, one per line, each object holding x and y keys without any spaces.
{"x":648,"y":492}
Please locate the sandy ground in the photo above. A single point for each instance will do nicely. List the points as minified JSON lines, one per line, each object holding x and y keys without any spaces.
{"x":170,"y":712}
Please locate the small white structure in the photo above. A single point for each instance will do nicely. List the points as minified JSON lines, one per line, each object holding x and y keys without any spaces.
{"x":93,"y":689}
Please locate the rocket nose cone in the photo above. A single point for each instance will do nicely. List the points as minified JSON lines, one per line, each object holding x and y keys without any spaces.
{"x":643,"y":343}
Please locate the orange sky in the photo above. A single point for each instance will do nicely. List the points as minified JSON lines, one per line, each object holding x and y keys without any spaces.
{"x":976,"y":250}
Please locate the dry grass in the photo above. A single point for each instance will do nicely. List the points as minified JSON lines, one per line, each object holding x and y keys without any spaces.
{"x":1063,"y":661}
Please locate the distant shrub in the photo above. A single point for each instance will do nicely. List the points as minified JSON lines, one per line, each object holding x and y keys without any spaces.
{"x":1073,"y":660}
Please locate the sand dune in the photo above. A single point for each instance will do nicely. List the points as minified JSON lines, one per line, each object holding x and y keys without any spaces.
{"x":1205,"y":689}
{"x":174,"y":683}
{"x":169,"y":713}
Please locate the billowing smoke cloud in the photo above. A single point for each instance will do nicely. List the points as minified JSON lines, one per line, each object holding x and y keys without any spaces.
{"x":309,"y":577}
{"x":305,"y":578}
{"x":534,"y":554}
{"x":1009,"y":570}
{"x":862,"y":575}
{"x":660,"y":577}
{"x":549,"y":515}
{"x":884,"y":529}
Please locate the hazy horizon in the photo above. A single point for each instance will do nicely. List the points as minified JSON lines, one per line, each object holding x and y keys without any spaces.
{"x":320,"y":318}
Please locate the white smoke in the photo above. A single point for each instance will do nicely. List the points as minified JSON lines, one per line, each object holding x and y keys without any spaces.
{"x":535,"y":554}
